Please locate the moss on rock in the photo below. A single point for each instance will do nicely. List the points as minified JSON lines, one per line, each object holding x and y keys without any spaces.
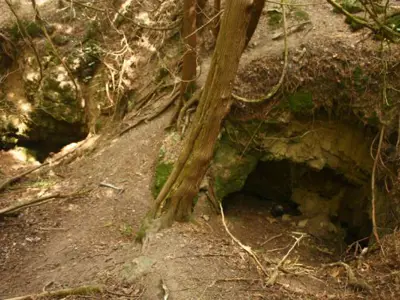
{"x":230,"y":169}
{"x":301,"y":102}
{"x":163,"y":170}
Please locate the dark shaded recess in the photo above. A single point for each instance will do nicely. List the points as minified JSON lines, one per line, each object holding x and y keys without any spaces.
{"x":42,"y":142}
{"x":269,"y":188}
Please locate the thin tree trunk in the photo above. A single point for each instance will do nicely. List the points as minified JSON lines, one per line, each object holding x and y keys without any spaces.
{"x":189,"y":59}
{"x":201,"y":5}
{"x":176,"y":197}
{"x":256,"y":11}
{"x":217,"y":9}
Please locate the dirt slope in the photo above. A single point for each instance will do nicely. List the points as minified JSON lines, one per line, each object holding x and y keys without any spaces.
{"x":90,"y":239}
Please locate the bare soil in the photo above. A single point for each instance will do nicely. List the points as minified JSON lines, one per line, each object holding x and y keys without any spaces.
{"x":91,"y":239}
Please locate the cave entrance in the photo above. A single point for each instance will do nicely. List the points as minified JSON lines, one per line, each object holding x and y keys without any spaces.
{"x":320,"y":202}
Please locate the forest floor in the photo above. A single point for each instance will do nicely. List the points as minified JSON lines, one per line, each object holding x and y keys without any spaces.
{"x":90,"y":240}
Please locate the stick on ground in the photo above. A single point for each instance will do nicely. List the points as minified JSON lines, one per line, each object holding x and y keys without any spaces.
{"x":82,"y":290}
{"x":10,"y":210}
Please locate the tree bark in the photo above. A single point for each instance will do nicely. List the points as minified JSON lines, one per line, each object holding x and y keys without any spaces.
{"x":189,"y":58}
{"x":201,"y":5}
{"x":217,"y":9}
{"x":256,"y":11}
{"x":176,"y":197}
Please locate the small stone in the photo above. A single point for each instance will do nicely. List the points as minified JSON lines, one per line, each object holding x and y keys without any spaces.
{"x":286,"y":217}
{"x":206,"y":218}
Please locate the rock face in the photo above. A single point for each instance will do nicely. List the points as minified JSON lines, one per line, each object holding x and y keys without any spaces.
{"x":49,"y":111}
{"x":323,"y":145}
{"x":324,"y":167}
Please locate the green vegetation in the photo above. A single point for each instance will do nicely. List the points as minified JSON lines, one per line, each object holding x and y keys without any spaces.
{"x":352,"y":6}
{"x":163,"y":170}
{"x":126,"y":230}
{"x":274,"y":18}
{"x":230,"y":169}
{"x":32,"y":28}
{"x":301,"y":102}
{"x":301,"y":15}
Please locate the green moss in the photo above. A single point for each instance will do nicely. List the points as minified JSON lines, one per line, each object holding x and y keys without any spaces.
{"x":301,"y":15}
{"x":301,"y":102}
{"x":373,"y":119}
{"x":163,"y":170}
{"x":60,"y":39}
{"x":274,"y":18}
{"x":394,"y":22}
{"x":83,"y":61}
{"x":126,"y":230}
{"x":230,"y":169}
{"x":32,"y":28}
{"x":141,"y":233}
{"x":360,"y":79}
{"x":352,"y":6}
{"x":354,"y":26}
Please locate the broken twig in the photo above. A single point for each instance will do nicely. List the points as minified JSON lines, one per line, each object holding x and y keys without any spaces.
{"x":105,"y":184}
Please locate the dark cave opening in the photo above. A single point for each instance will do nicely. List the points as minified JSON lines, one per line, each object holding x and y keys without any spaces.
{"x":330,"y":204}
{"x":41,"y":144}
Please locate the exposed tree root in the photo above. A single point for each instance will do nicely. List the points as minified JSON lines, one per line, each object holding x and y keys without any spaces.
{"x":373,"y":187}
{"x":274,"y":276}
{"x":156,"y":113}
{"x":275,"y":88}
{"x":82,"y":290}
{"x":352,"y":279}
{"x":11,"y":210}
{"x":244,"y":247}
{"x":193,"y":100}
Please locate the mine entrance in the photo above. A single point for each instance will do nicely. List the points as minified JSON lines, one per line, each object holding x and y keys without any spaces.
{"x":319,"y":202}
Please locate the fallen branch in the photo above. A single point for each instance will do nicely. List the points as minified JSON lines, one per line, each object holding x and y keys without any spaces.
{"x":12,"y":180}
{"x":11,"y":210}
{"x":244,"y":247}
{"x":274,"y":276}
{"x":82,"y":290}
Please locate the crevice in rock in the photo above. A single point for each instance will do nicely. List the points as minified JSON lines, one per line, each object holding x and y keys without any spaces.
{"x":321,"y":202}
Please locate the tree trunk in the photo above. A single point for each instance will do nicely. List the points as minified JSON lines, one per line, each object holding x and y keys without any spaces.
{"x":176,"y":197}
{"x":189,"y":37}
{"x":217,"y":9}
{"x":256,"y":11}
{"x":201,"y":5}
